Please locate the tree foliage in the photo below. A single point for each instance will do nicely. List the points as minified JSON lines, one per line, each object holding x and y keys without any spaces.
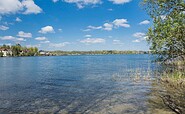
{"x":1,"y":54}
{"x":103,"y":52}
{"x":18,"y":50}
{"x":167,"y":36}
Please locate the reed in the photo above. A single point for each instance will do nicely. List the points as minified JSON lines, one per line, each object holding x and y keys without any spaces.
{"x":171,"y":89}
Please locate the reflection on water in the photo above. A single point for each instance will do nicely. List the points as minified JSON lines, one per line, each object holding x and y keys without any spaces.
{"x":77,"y":84}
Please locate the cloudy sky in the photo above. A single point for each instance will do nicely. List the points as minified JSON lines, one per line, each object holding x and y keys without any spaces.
{"x":74,"y":24}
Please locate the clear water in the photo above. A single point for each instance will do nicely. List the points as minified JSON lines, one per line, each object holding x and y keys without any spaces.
{"x":76,"y":84}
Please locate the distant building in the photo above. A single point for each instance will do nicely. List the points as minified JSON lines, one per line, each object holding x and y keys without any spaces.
{"x":44,"y":53}
{"x":41,"y":52}
{"x":6,"y":52}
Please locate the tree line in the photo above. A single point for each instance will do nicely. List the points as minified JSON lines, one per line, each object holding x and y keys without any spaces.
{"x":103,"y":52}
{"x":167,"y":35}
{"x":18,"y":50}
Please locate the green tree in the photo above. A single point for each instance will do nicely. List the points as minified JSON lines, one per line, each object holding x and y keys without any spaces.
{"x":1,"y":54}
{"x":167,"y":36}
{"x":16,"y":50}
{"x":6,"y":46}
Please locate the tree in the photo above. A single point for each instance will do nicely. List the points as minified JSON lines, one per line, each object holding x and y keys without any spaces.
{"x":167,"y":36}
{"x":32,"y":51}
{"x":1,"y":54}
{"x":16,"y":50}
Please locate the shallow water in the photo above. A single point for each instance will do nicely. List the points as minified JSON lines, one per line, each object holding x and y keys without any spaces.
{"x":103,"y":84}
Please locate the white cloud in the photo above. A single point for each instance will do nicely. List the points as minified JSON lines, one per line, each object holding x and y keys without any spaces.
{"x":86,"y":30}
{"x":55,"y":1}
{"x":45,"y":42}
{"x":60,"y":30}
{"x":24,"y":35}
{"x":89,"y":28}
{"x":7,"y":38}
{"x":120,"y":1}
{"x":10,"y":6}
{"x":4,"y":27}
{"x":121,"y":23}
{"x":82,"y":3}
{"x":41,"y":38}
{"x":18,"y":19}
{"x":145,"y":22}
{"x":11,"y":38}
{"x":108,"y":26}
{"x":31,"y":7}
{"x":17,"y":6}
{"x":94,"y":27}
{"x":47,"y":29}
{"x":92,"y":40}
{"x":21,"y":39}
{"x":117,"y":42}
{"x":110,"y":9}
{"x":139,"y":34}
{"x":136,"y":41}
{"x":88,"y":35}
{"x":58,"y":45}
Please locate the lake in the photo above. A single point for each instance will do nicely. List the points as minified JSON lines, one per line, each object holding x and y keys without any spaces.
{"x":102,"y":84}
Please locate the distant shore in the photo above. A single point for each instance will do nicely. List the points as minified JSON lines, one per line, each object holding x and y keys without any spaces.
{"x":19,"y":51}
{"x":103,"y":52}
{"x":69,"y":53}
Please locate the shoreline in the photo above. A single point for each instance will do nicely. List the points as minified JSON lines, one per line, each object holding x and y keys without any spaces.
{"x":75,"y":55}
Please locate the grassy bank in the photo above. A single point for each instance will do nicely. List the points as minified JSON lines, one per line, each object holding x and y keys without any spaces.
{"x":170,"y":88}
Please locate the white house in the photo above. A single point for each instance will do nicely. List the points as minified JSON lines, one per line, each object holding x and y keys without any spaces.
{"x":6,"y":52}
{"x":44,"y":53}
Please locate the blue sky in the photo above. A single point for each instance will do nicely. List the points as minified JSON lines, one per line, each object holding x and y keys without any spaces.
{"x":74,"y":24}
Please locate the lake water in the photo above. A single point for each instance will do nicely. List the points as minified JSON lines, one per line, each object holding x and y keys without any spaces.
{"x":103,"y":84}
